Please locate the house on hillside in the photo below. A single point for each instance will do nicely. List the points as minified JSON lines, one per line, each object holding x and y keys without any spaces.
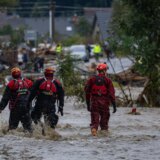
{"x":63,"y":25}
{"x":100,"y":18}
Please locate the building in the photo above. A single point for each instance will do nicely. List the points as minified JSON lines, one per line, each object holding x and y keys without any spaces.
{"x":100,"y":18}
{"x":63,"y":25}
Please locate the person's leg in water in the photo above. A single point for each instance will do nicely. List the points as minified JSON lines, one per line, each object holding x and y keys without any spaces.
{"x":14,"y":119}
{"x":104,"y":117}
{"x":36,"y":114}
{"x":51,"y":118}
{"x":26,"y":121}
{"x":94,"y":117}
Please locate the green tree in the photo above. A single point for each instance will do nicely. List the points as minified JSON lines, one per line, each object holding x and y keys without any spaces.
{"x":6,"y":30}
{"x":71,"y":79}
{"x":17,"y":35}
{"x":136,"y":31}
{"x":83,"y":27}
{"x":5,"y":3}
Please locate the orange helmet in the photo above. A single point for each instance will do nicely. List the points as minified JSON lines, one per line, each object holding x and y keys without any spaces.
{"x":102,"y":66}
{"x":16,"y":72}
{"x":49,"y":72}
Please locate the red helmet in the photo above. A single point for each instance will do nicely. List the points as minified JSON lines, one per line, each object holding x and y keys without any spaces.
{"x":102,"y":66}
{"x":49,"y":72}
{"x":16,"y":72}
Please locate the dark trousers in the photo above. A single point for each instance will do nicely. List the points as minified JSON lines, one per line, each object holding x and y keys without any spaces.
{"x":50,"y":117}
{"x":20,"y":114}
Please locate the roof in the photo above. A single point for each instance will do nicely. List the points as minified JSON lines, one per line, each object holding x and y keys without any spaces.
{"x":41,"y":25}
{"x":63,"y":25}
{"x":100,"y":17}
{"x":103,"y":20}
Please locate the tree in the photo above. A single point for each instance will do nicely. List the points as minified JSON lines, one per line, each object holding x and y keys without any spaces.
{"x":6,"y":30}
{"x":83,"y":27}
{"x":71,"y":78}
{"x":6,"y":3}
{"x":136,"y":31}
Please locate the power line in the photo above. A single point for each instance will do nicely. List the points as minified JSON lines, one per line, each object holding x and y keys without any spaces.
{"x":35,"y":3}
{"x":27,"y":8}
{"x":65,"y":7}
{"x":68,"y":7}
{"x":28,"y":11}
{"x":49,"y":3}
{"x":40,"y":7}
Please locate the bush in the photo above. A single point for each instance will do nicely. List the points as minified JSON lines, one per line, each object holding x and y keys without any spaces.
{"x":71,"y":79}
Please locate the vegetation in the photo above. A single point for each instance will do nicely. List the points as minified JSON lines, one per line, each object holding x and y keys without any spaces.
{"x":4,"y":3}
{"x":136,"y":31}
{"x":71,"y":79}
{"x":15,"y":34}
{"x":76,"y":39}
{"x":83,"y":27}
{"x":6,"y":30}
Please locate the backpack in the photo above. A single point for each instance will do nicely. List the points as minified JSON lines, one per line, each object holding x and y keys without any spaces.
{"x":20,"y":90}
{"x":48,"y":88}
{"x":99,"y":87}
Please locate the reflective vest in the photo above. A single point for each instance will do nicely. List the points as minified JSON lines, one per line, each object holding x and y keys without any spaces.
{"x":59,"y":49}
{"x":97,"y":49}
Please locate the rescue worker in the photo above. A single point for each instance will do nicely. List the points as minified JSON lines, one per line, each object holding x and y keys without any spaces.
{"x":17,"y":94}
{"x":58,"y":50}
{"x":99,"y":94}
{"x":97,"y":51}
{"x":47,"y":91}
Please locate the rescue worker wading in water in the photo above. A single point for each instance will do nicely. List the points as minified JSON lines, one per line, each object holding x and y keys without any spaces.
{"x":17,"y":94}
{"x":46,"y":91}
{"x":99,"y":94}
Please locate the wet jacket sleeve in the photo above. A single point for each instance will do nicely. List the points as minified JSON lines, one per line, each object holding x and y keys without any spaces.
{"x":60,"y":92}
{"x":5,"y":98}
{"x":111,"y":91}
{"x":87,"y":89}
{"x":34,"y":89}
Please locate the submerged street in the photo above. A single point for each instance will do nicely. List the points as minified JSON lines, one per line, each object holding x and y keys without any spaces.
{"x":132,"y":137}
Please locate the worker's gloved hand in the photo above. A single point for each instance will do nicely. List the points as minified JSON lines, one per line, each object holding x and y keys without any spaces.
{"x":88,"y":106}
{"x":114,"y":107}
{"x":60,"y":109}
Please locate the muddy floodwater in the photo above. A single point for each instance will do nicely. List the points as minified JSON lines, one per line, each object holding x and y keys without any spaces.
{"x":130,"y":137}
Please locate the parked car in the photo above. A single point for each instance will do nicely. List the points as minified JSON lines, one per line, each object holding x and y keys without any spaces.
{"x":79,"y":52}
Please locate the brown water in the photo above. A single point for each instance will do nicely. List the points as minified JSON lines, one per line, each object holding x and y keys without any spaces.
{"x":131,"y":137}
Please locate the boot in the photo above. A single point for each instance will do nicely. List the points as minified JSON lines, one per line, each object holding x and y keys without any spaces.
{"x":94,"y":132}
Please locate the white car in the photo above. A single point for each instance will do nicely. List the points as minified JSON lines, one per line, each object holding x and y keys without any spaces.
{"x":79,"y":52}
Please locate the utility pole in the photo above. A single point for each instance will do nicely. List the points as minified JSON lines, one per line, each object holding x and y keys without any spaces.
{"x":51,"y":21}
